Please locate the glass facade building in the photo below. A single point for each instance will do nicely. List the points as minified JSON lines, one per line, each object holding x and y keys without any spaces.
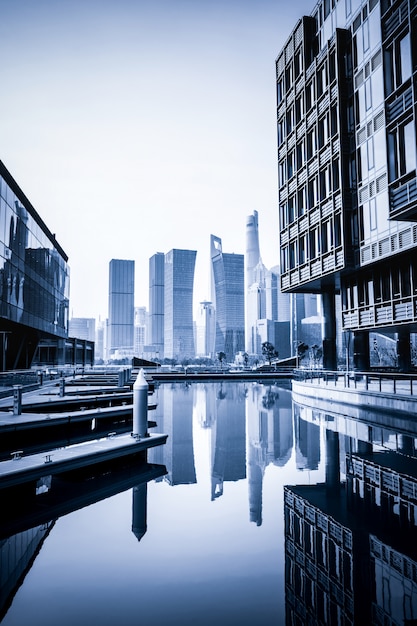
{"x":178,"y":304}
{"x":156,"y":303}
{"x":121,"y":307}
{"x":346,"y":111}
{"x":228,"y":297}
{"x":34,"y":298}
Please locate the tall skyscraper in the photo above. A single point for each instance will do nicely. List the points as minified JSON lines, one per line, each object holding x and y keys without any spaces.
{"x":178,"y":304}
{"x":228,"y":289}
{"x":121,"y":307}
{"x":205,"y":329}
{"x":346,"y":107}
{"x":156,"y":304}
{"x":253,"y":254}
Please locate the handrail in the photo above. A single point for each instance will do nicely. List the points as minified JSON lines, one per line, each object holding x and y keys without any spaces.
{"x":382,"y":382}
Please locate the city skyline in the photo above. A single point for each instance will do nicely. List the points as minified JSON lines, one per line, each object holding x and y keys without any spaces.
{"x":150,"y":126}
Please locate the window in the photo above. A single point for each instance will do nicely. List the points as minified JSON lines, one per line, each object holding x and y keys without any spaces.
{"x":291,"y":164}
{"x":324,"y":184}
{"x":312,"y":193}
{"x":311,"y":143}
{"x":310,"y":95}
{"x":301,"y":201}
{"x":299,"y":109}
{"x":298,"y":63}
{"x":401,"y":151}
{"x":323,"y":131}
{"x":289,"y":119}
{"x":291,"y":209}
{"x":302,"y":251}
{"x":280,"y":91}
{"x":301,"y":156}
{"x":397,"y":63}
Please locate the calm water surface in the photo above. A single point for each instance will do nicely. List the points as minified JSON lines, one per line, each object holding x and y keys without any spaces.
{"x":215,"y":538}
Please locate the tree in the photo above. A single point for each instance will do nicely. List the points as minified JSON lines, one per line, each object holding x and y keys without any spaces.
{"x":269,"y":352}
{"x":222,"y":357}
{"x":245,"y":358}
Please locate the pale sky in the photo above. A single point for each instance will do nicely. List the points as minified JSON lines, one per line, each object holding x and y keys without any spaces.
{"x":138,"y":126}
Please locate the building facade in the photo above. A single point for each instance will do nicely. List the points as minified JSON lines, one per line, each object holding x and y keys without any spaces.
{"x":83,"y":328}
{"x":205,"y":326}
{"x":156,"y":304}
{"x":121,"y":308}
{"x":34,"y":281}
{"x":346,"y":110}
{"x":178,"y":304}
{"x":228,"y":297}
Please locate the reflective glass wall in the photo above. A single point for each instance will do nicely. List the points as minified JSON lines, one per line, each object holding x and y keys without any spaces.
{"x":34,"y":275}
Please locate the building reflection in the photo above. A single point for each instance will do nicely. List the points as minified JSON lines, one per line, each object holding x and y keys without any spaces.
{"x":350,"y":542}
{"x":228,"y":437}
{"x":270,"y":438}
{"x":174,"y":417}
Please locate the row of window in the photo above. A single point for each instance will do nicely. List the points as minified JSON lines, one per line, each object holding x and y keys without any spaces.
{"x":319,"y":240}
{"x":308,"y":196}
{"x":380,"y":286}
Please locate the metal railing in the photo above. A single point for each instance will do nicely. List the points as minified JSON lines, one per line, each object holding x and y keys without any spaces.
{"x":381,"y":382}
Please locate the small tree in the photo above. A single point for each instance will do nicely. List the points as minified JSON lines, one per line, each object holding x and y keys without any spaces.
{"x":222,"y":357}
{"x":269,"y":352}
{"x":245,"y":358}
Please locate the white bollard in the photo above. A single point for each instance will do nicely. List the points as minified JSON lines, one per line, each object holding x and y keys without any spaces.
{"x":140,"y":406}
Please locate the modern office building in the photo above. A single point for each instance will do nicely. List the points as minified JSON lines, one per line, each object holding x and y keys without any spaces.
{"x":178,"y":304}
{"x":228,"y":295}
{"x":205,"y":328}
{"x":140,"y":330}
{"x":156,"y":304}
{"x":121,"y":308}
{"x":82,"y":327}
{"x":346,"y":110}
{"x":34,"y":283}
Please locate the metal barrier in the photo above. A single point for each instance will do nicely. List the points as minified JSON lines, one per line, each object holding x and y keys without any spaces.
{"x":383,"y":382}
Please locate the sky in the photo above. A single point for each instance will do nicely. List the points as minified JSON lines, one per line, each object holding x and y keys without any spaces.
{"x":139,"y":126}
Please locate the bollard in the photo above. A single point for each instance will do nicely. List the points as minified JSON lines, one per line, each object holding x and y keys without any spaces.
{"x":121,"y":382}
{"x":17,"y":399}
{"x":140,"y":406}
{"x":62,"y":387}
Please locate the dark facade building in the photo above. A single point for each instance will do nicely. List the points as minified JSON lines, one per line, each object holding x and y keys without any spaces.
{"x":179,"y":269}
{"x":346,"y":111}
{"x":34,"y":283}
{"x":156,"y":303}
{"x":121,"y":307}
{"x":228,"y":297}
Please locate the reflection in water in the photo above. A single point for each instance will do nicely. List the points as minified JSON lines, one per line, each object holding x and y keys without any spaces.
{"x":347,"y":513}
{"x":350,"y":543}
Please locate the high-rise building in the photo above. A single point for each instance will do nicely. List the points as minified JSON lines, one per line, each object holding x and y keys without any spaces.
{"x":121,"y":307}
{"x":83,"y":328}
{"x":34,"y":284}
{"x":205,"y":326}
{"x":140,"y":330}
{"x":346,"y":109}
{"x":228,"y":287}
{"x":156,"y":304}
{"x":178,"y":304}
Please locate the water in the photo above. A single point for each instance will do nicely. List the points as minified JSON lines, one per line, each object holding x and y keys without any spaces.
{"x":209,"y":540}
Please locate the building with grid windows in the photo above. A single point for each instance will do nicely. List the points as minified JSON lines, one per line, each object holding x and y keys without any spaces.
{"x":121,"y":308}
{"x":346,"y":111}
{"x":178,"y":304}
{"x":228,"y":297}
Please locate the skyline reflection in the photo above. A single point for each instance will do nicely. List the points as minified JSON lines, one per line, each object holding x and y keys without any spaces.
{"x":243,"y":466}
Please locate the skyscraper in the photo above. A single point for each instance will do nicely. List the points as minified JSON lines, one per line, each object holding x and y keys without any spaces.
{"x":156,"y":303}
{"x":178,"y":304}
{"x":228,"y":287}
{"x":121,"y":307}
{"x":346,"y":102}
{"x":205,"y":329}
